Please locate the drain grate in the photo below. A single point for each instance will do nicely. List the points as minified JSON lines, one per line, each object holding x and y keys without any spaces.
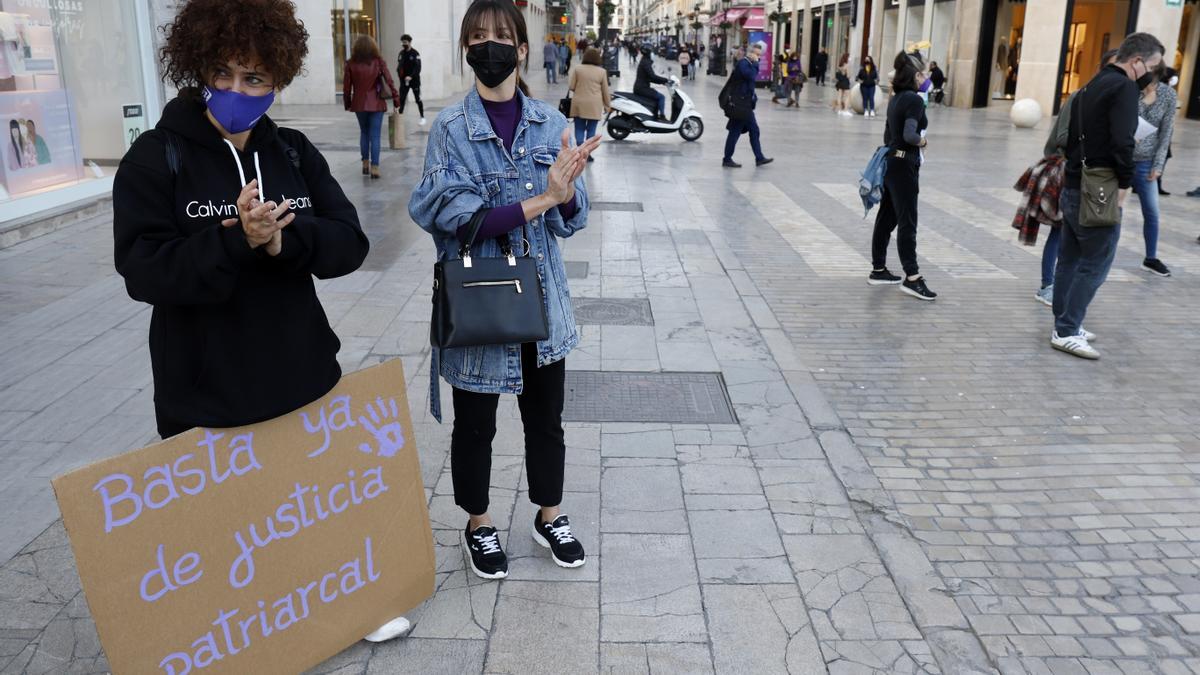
{"x":613,"y":311}
{"x":576,"y":269}
{"x":615,"y":206}
{"x":677,"y":398}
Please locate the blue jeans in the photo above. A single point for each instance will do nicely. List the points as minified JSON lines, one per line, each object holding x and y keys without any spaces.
{"x":1050,"y":255}
{"x":736,"y":129}
{"x":551,"y":72}
{"x":868,"y":97}
{"x":369,"y":125}
{"x":1147,"y":192}
{"x":584,"y":129}
{"x":662,"y":104}
{"x":1084,"y":258}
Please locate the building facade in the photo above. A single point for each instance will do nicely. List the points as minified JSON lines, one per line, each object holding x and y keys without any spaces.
{"x":61,"y":154}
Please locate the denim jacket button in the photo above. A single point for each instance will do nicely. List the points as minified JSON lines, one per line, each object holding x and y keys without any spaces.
{"x":529,"y":186}
{"x":539,"y":256}
{"x":521,"y":150}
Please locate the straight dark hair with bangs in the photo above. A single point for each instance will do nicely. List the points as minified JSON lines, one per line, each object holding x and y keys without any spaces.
{"x":500,"y":14}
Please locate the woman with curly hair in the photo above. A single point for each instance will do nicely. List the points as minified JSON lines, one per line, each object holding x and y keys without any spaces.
{"x":220,"y":221}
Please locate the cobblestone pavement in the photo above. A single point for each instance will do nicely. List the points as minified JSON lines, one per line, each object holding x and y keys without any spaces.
{"x":908,"y":488}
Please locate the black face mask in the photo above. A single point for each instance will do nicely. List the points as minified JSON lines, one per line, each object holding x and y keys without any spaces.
{"x":1145,"y":80}
{"x":492,"y":62}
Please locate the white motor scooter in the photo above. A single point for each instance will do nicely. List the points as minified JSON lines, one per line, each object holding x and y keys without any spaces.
{"x":632,"y":114}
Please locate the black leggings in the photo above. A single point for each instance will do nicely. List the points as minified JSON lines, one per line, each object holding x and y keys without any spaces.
{"x":541,"y":404}
{"x":415,"y":88}
{"x":901,"y":184}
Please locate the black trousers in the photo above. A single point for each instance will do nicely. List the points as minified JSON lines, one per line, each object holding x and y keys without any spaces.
{"x":415,"y":87}
{"x":541,"y":404}
{"x":898,"y":210}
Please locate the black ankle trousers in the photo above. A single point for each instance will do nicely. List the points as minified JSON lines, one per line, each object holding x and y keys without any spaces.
{"x":541,"y":404}
{"x":898,"y":211}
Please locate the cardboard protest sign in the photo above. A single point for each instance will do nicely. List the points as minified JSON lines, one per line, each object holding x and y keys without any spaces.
{"x":261,"y":549}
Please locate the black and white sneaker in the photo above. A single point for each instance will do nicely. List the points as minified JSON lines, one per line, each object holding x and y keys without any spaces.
{"x":564,"y":547}
{"x":1156,"y":266}
{"x":487,"y":558}
{"x":918,"y":289}
{"x":882,"y":278}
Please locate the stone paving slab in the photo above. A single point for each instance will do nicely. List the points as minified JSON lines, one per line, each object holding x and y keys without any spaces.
{"x":903,"y":488}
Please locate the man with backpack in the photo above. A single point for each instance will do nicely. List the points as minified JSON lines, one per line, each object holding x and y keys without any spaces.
{"x":408,"y":67}
{"x":737,"y":99}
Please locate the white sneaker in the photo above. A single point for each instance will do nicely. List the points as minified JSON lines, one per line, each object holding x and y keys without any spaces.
{"x":422,"y":121}
{"x":393,"y":629}
{"x":1076,"y":345}
{"x":1087,"y":335}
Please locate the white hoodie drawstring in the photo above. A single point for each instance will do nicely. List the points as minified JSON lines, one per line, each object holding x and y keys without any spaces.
{"x":262,"y":191}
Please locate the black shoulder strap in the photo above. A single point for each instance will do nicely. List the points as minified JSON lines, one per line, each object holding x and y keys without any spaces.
{"x":1078,"y":105}
{"x":292,"y":154}
{"x":173,"y":147}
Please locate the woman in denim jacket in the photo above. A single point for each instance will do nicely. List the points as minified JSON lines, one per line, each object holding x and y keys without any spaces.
{"x":501,"y":149}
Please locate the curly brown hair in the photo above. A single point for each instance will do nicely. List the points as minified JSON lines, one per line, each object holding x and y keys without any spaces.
{"x":207,"y":34}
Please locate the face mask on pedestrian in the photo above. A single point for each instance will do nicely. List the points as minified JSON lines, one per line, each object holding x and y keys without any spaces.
{"x":1146,"y":79}
{"x":492,"y":62}
{"x":234,"y":111}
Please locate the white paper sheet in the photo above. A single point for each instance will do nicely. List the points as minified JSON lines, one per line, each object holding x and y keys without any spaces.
{"x":1144,"y":129}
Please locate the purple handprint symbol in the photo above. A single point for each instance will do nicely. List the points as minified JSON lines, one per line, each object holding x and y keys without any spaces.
{"x":384,"y":425}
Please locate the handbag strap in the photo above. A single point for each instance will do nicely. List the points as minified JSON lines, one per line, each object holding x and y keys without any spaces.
{"x":476,"y":222}
{"x":1082,"y":137}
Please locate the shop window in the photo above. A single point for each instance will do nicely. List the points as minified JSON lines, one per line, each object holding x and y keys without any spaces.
{"x":351,"y":19}
{"x":1096,"y":26}
{"x":68,"y":115}
{"x":1006,"y":64}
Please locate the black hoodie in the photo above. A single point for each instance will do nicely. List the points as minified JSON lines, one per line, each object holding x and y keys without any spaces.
{"x":237,"y":336}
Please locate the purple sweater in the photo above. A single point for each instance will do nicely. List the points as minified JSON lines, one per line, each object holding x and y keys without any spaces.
{"x":504,"y":116}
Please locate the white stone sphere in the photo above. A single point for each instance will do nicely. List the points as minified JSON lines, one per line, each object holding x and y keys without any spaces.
{"x":1026,"y":113}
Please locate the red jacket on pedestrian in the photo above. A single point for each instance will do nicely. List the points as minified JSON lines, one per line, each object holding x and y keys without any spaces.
{"x":359,"y":82}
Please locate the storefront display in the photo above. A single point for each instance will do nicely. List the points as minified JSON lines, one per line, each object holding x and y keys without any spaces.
{"x":62,"y":106}
{"x":1006,"y":66}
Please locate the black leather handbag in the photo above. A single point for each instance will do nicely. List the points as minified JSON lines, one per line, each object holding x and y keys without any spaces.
{"x":487,"y":301}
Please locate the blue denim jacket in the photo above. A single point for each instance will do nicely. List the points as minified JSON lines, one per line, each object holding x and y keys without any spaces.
{"x":467,"y":168}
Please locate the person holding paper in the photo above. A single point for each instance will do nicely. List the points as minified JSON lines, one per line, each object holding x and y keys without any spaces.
{"x":1156,"y":124}
{"x":221,"y":219}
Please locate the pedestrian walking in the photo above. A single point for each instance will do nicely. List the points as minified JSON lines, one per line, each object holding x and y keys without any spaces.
{"x":1157,"y":108}
{"x":796,"y":79}
{"x":237,"y":332}
{"x":937,"y":79}
{"x":1102,"y":126}
{"x":408,"y":67}
{"x":841,"y":101}
{"x":366,"y":86}
{"x":564,"y":57}
{"x":820,"y":65}
{"x":904,"y":136}
{"x":685,"y":60}
{"x":1042,"y":194}
{"x":868,"y":78}
{"x":550,"y":59}
{"x":502,"y":151}
{"x":589,"y":83}
{"x":738,"y":100}
{"x":778,"y":79}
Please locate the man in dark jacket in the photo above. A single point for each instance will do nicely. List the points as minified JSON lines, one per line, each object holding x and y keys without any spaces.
{"x":1104,"y":117}
{"x":646,"y":77}
{"x":738,"y":100}
{"x":820,"y":65}
{"x":408,"y":67}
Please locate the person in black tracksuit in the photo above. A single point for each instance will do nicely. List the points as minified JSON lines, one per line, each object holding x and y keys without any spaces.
{"x":646,"y":77}
{"x":408,"y":67}
{"x":904,"y":135}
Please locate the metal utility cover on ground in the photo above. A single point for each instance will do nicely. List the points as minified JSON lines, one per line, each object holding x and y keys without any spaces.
{"x":613,"y":311}
{"x":677,"y":398}
{"x":615,"y":206}
{"x":576,"y":269}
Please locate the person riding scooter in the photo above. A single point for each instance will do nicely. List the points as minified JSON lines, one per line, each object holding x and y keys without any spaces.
{"x":645,"y":77}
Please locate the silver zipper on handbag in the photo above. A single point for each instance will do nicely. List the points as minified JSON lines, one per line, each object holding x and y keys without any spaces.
{"x":510,"y":282}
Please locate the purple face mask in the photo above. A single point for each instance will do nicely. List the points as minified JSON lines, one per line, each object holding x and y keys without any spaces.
{"x":234,"y":111}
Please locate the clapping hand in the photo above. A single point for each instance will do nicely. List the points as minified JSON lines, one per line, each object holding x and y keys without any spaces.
{"x":568,"y":166}
{"x":262,"y":222}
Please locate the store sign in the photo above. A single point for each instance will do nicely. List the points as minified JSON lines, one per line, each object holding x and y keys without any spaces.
{"x":1174,"y":3}
{"x":133,"y":117}
{"x":265,"y":548}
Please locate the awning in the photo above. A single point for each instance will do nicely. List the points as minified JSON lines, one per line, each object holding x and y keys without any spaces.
{"x":755,"y":20}
{"x":716,"y":19}
{"x":736,"y":13}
